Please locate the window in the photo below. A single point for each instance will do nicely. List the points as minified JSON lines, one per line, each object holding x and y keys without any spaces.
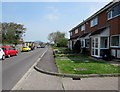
{"x":76,"y":31}
{"x":115,"y":40}
{"x":83,"y":27}
{"x":87,"y":42}
{"x":3,"y":49}
{"x":109,"y":14}
{"x":113,"y":12}
{"x":9,"y":48}
{"x":94,"y":22}
{"x":104,"y":42}
{"x":82,"y":43}
{"x":70,"y":33}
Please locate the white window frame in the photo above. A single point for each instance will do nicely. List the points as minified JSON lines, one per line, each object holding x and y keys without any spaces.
{"x":83,"y":27}
{"x":85,"y":43}
{"x":71,"y":33}
{"x":107,"y":43}
{"x":82,"y":43}
{"x":94,"y":47}
{"x":111,"y":15}
{"x":110,"y":11}
{"x":76,"y":31}
{"x":94,"y":22}
{"x":111,"y":41}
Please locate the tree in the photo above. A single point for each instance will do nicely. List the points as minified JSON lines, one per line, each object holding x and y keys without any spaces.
{"x":62,"y":42}
{"x":58,"y":38}
{"x":12,"y":32}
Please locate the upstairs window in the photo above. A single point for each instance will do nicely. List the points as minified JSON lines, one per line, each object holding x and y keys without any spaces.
{"x":94,"y":22}
{"x":113,"y":12}
{"x":70,"y":33}
{"x":83,"y":27}
{"x":76,"y":31}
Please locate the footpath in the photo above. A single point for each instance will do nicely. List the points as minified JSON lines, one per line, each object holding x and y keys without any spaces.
{"x":35,"y":80}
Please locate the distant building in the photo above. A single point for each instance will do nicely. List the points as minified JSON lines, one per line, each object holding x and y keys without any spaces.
{"x":100,"y":33}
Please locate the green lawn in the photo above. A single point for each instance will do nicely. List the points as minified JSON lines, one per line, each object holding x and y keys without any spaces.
{"x":60,"y":48}
{"x":90,"y":66}
{"x":76,"y":57}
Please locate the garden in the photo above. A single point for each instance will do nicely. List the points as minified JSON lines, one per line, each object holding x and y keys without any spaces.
{"x":69,"y":62}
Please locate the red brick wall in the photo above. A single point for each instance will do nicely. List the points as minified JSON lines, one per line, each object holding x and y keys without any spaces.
{"x":102,"y":20}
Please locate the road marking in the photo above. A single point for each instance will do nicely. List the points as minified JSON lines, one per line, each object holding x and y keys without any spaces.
{"x":18,"y":84}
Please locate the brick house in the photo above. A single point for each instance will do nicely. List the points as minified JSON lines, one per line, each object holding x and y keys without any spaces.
{"x":100,"y":33}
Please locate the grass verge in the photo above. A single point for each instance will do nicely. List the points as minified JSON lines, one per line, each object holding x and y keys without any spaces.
{"x":84,"y":66}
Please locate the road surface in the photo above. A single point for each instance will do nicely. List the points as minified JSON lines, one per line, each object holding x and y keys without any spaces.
{"x":15,"y":67}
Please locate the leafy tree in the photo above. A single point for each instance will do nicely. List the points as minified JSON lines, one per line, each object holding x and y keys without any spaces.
{"x":58,"y":38}
{"x":12,"y":32}
{"x":62,"y":42}
{"x":54,"y":36}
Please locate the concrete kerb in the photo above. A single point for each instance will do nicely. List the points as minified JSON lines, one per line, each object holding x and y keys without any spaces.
{"x":75,"y":75}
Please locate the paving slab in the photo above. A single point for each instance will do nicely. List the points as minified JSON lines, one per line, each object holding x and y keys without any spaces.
{"x":38,"y":81}
{"x":104,"y":83}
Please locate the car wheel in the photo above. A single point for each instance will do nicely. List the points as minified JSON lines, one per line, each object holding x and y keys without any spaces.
{"x":3,"y":57}
{"x":16,"y":54}
{"x":8,"y":56}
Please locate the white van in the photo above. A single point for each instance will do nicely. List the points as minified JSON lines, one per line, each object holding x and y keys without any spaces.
{"x":2,"y":54}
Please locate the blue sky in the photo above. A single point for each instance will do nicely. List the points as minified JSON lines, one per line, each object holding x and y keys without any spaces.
{"x":42,"y":18}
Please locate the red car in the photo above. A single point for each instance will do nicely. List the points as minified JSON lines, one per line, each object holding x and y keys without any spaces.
{"x":9,"y":51}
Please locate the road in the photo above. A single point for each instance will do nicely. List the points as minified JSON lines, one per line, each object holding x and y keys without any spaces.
{"x":15,"y":67}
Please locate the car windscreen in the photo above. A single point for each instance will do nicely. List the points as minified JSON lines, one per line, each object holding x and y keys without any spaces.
{"x":25,"y":47}
{"x":3,"y":49}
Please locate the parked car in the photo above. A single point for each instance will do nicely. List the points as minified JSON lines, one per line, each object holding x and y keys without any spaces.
{"x":38,"y":46}
{"x":9,"y":51}
{"x":2,"y":54}
{"x":32,"y":47}
{"x":43,"y":46}
{"x":26,"y":48}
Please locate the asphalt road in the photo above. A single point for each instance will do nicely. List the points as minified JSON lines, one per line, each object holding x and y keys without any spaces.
{"x":15,"y":67}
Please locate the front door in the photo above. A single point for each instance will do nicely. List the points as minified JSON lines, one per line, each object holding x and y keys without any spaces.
{"x":96,"y":46}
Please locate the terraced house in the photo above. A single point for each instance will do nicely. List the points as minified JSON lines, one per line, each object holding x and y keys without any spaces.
{"x":99,"y":34}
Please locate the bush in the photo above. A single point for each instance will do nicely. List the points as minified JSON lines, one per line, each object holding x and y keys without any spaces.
{"x":62,"y":42}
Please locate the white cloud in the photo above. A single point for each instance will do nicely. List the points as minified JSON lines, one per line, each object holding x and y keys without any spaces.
{"x":52,"y":17}
{"x":53,"y":14}
{"x":53,"y":9}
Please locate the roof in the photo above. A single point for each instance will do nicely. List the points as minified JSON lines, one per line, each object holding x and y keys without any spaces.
{"x":74,"y":37}
{"x":98,"y":12}
{"x":99,"y":30}
{"x":83,"y":35}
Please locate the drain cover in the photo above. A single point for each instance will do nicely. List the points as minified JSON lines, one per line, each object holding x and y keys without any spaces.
{"x":80,"y":69}
{"x":87,"y":61}
{"x":76,"y":78}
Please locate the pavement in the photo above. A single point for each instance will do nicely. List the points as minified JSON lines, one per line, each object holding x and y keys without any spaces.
{"x":34,"y":80}
{"x":47,"y":62}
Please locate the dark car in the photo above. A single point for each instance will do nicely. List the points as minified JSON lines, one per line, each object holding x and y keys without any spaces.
{"x":32,"y":47}
{"x":42,"y":46}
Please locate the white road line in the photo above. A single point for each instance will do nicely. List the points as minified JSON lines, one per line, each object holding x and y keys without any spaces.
{"x":28,"y":72}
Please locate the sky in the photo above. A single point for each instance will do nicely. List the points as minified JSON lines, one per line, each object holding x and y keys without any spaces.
{"x":42,"y":18}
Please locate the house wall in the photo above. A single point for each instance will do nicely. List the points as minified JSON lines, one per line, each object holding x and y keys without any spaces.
{"x":102,"y":20}
{"x":114,"y":28}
